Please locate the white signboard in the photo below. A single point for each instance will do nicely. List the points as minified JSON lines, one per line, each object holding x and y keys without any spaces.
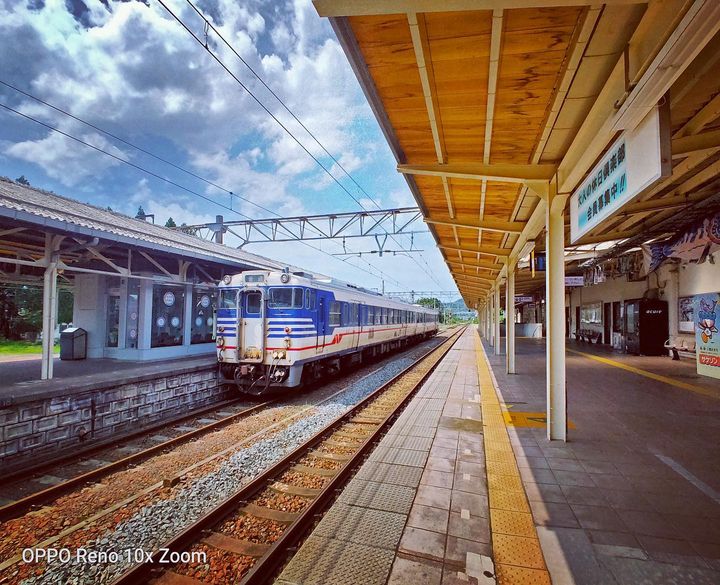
{"x":523,"y":299}
{"x":574,"y":281}
{"x":635,"y":161}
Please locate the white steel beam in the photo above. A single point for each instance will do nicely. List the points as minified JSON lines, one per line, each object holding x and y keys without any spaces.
{"x":490,"y":225}
{"x":510,"y":320}
{"x":504,"y":173}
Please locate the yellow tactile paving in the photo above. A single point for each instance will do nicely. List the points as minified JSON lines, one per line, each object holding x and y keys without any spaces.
{"x":516,"y":548}
{"x":514,"y":501}
{"x":512,"y":522}
{"x":510,"y":575}
{"x":502,"y":468}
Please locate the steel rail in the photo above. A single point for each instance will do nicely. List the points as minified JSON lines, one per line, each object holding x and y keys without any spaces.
{"x":266,"y":566}
{"x":18,"y":507}
{"x":27,"y":472}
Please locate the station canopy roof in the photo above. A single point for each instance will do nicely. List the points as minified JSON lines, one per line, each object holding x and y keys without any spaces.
{"x":471,"y":91}
{"x":29,"y":215}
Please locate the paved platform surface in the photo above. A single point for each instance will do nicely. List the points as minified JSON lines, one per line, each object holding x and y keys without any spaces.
{"x":417,"y":511}
{"x":22,"y":377}
{"x":633,"y":497}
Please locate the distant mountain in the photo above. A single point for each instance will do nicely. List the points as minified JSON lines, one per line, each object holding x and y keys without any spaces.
{"x":458,"y":305}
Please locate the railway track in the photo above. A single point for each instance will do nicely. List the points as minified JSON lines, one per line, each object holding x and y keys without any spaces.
{"x":95,"y":507}
{"x":249,"y":534}
{"x":38,"y":498}
{"x":89,"y":465}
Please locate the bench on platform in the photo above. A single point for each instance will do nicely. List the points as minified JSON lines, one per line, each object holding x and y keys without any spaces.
{"x":588,"y":335}
{"x":678,"y":345}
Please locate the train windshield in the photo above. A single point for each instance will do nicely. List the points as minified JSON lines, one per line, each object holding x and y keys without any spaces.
{"x":285,"y":298}
{"x":228,"y":298}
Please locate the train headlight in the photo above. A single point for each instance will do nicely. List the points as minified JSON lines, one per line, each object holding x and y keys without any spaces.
{"x":288,"y":329}
{"x":221,"y":328}
{"x":220,"y":341}
{"x":227,"y":279}
{"x":284,"y":278}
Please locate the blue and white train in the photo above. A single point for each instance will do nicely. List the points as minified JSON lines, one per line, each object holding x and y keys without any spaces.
{"x":281,"y":330}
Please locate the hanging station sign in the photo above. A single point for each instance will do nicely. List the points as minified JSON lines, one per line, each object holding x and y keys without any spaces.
{"x":634,"y":162}
{"x":574,"y":281}
{"x":520,"y":299}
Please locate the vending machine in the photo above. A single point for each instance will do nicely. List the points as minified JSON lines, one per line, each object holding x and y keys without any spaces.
{"x":646,"y":326}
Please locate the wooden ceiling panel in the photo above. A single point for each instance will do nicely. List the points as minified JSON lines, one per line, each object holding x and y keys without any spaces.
{"x":456,"y":25}
{"x":380,"y":30}
{"x":530,"y":20}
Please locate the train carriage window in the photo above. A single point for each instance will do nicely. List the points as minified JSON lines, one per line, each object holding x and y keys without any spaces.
{"x":370,"y":315}
{"x":285,"y":298}
{"x":228,"y":298}
{"x":334,"y":314}
{"x":354,"y":314}
{"x":310,"y":298}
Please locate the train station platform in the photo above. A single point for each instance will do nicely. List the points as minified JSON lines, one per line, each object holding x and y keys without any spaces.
{"x":20,"y":375}
{"x":465,"y":487}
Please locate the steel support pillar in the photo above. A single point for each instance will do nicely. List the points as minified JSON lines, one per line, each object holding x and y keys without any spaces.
{"x":555,"y":316}
{"x":50,"y":305}
{"x":496,"y":309}
{"x":510,"y":319}
{"x":492,"y":317}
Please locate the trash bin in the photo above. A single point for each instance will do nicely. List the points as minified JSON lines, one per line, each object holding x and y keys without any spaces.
{"x":73,"y":344}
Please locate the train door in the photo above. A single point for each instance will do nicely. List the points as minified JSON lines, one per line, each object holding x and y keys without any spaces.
{"x":360,"y":319}
{"x":321,"y":320}
{"x":252,"y":332}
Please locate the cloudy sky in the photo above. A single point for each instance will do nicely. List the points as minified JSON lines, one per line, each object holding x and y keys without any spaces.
{"x":132,"y":70}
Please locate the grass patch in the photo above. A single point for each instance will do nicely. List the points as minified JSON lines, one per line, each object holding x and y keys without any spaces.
{"x":21,"y":347}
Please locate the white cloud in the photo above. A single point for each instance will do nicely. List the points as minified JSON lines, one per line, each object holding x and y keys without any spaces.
{"x":59,"y":157}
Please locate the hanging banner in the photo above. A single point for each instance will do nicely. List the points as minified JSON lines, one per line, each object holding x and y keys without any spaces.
{"x":634,"y":162}
{"x":707,"y":348}
{"x":694,"y":245}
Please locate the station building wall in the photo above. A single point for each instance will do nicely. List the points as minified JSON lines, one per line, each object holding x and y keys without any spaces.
{"x":117,"y":314}
{"x":671,"y":282}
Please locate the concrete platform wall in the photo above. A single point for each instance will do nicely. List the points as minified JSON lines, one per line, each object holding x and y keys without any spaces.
{"x":50,"y":426}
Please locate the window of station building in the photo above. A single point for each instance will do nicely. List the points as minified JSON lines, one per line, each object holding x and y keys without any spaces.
{"x":334,"y":314}
{"x":285,"y":298}
{"x":310,"y":298}
{"x":133,"y":312}
{"x":201,"y":328}
{"x":228,"y":298}
{"x":168,"y":308}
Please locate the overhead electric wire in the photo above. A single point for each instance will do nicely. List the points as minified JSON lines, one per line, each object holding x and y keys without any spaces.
{"x":211,"y":26}
{"x":176,"y":166}
{"x":173,"y":183}
{"x":273,"y":116}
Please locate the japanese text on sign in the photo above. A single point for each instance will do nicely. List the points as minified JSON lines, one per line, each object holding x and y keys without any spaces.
{"x":603,"y":188}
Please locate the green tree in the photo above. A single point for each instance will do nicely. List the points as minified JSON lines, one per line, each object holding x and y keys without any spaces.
{"x":431,"y":302}
{"x":170,"y":223}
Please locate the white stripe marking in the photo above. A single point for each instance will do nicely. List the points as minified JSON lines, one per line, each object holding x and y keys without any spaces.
{"x":696,"y":481}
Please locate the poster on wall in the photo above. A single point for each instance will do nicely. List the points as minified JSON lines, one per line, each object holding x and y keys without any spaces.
{"x":707,"y":339}
{"x":686,"y":315}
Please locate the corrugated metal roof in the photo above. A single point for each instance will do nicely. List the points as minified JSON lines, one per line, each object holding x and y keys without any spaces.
{"x":60,"y":213}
